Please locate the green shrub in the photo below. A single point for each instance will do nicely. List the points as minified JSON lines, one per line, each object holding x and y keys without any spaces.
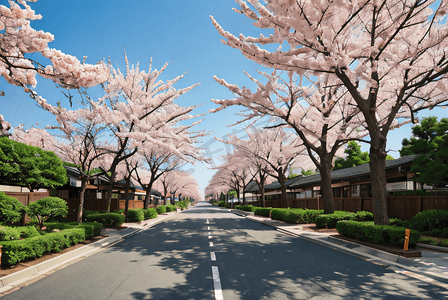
{"x":246,"y":207}
{"x":380,"y":234}
{"x":170,"y":208}
{"x":430,"y":219}
{"x":362,"y":216}
{"x":108,"y":220}
{"x":400,"y":223}
{"x":261,"y":211}
{"x":91,"y":229}
{"x":135,"y":215}
{"x":15,"y":252}
{"x":9,"y":233}
{"x":46,"y":208}
{"x":161,"y":209}
{"x":279,"y":213}
{"x":444,"y":243}
{"x":150,"y":213}
{"x":28,"y":231}
{"x":221,"y":203}
{"x":330,"y":220}
{"x":11,"y":209}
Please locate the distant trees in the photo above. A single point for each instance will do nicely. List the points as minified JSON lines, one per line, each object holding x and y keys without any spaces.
{"x":430,"y":139}
{"x":354,"y":157}
{"x":30,"y":166}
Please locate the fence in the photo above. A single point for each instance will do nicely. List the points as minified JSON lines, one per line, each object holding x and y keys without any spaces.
{"x":402,"y":207}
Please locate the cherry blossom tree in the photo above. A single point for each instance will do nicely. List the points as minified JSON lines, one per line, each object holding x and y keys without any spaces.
{"x":19,"y":41}
{"x":139,"y":108}
{"x":389,"y":56}
{"x":320,"y":114}
{"x":275,"y":147}
{"x":4,"y":127}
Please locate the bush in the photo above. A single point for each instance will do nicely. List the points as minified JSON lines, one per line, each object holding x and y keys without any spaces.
{"x":15,"y":252}
{"x":28,"y":231}
{"x":330,"y":220}
{"x":135,"y":215}
{"x":430,"y":219}
{"x":91,"y":229}
{"x":108,"y":220}
{"x":10,"y":209}
{"x":246,"y":207}
{"x":46,"y":208}
{"x":380,"y":234}
{"x":161,"y":209}
{"x":400,"y":223}
{"x":362,"y":216}
{"x":170,"y":208}
{"x":9,"y":233}
{"x":150,"y":213}
{"x":221,"y":203}
{"x":261,"y":211}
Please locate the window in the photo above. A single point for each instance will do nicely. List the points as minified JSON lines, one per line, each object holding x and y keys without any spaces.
{"x":355,"y":191}
{"x":345,"y":191}
{"x":366,"y":190}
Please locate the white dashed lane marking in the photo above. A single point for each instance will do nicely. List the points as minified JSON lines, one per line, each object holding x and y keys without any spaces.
{"x":213,"y":256}
{"x":217,"y":284}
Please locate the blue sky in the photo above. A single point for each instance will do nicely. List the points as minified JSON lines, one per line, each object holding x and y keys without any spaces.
{"x":175,"y":31}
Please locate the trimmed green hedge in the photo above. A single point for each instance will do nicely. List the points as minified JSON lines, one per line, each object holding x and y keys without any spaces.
{"x":135,"y":215}
{"x":150,"y":213}
{"x":330,"y":220}
{"x":430,"y":219}
{"x":379,"y":234}
{"x":15,"y":252}
{"x":108,"y":220}
{"x":170,"y":208}
{"x":161,"y":209}
{"x":16,"y":233}
{"x":246,"y":207}
{"x":263,"y":211}
{"x":91,"y":229}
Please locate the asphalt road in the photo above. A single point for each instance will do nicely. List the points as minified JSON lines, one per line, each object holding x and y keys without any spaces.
{"x":209,"y":253}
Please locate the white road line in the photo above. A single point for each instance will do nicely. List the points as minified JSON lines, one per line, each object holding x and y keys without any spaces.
{"x":213,"y":256}
{"x":207,"y":222}
{"x":208,"y":227}
{"x":217,"y":284}
{"x":209,"y":237}
{"x":211,"y":244}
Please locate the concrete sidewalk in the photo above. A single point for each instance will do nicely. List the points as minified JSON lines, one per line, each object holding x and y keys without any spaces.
{"x":47,"y":267}
{"x":431,"y":267}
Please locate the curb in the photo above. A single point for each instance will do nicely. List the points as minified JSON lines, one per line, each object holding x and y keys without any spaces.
{"x":12,"y":280}
{"x":432,"y":247}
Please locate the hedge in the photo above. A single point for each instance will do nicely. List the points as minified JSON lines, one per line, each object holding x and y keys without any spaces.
{"x":246,"y":207}
{"x":14,"y":252}
{"x":330,"y":220}
{"x":161,"y":209}
{"x":150,"y":213}
{"x":135,"y":215}
{"x":379,"y":234}
{"x":263,"y":211}
{"x":430,"y":219}
{"x":108,"y":220}
{"x":170,"y":208}
{"x":91,"y":229}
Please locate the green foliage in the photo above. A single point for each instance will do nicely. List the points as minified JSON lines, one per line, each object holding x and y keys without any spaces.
{"x":10,"y":209}
{"x":354,"y":157}
{"x":431,"y":140}
{"x":15,"y":252}
{"x":430,"y":219}
{"x":183,"y":204}
{"x":161,"y":209}
{"x":294,"y":215}
{"x":221,"y":203}
{"x":135,"y":215}
{"x":380,"y":234}
{"x":108,"y":220}
{"x":91,"y":229}
{"x":330,"y":220}
{"x":261,"y":211}
{"x":246,"y":207}
{"x":46,"y":208}
{"x":30,"y":166}
{"x":308,"y":172}
{"x":170,"y":208}
{"x":150,"y":213}
{"x":9,"y":233}
{"x":28,"y":231}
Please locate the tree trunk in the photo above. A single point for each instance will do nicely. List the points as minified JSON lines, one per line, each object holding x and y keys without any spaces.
{"x":109,"y":190}
{"x":81,"y":199}
{"x":285,"y":200}
{"x":148,"y":195}
{"x":378,"y":180}
{"x":263,"y":201}
{"x":325,"y":184}
{"x":126,"y":196}
{"x":244,"y":197}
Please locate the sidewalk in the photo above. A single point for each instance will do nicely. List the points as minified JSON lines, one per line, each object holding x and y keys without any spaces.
{"x":431,"y":267}
{"x":35,"y":272}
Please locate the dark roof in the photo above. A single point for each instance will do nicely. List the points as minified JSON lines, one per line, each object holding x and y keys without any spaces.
{"x":356,"y":171}
{"x":273,"y":186}
{"x":251,"y":187}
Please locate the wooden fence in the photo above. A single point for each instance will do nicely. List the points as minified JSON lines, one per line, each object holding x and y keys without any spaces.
{"x":402,"y":207}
